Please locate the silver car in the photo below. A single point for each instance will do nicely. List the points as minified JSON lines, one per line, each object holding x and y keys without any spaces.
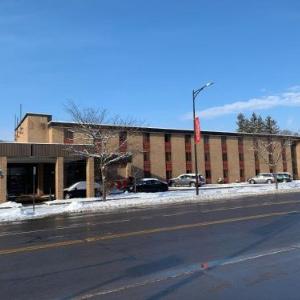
{"x":262,"y":178}
{"x":186,"y":180}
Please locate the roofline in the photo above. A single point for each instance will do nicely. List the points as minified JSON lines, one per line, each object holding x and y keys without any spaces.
{"x":49,"y":117}
{"x":174,"y":130}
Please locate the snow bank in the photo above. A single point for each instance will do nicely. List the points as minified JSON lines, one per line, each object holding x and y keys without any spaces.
{"x":10,"y":204}
{"x":16,"y":212}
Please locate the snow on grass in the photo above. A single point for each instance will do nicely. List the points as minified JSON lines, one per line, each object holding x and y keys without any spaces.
{"x":16,"y":212}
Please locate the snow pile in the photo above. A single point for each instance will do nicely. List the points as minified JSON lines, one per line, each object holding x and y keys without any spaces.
{"x":10,"y":204}
{"x":14,"y":211}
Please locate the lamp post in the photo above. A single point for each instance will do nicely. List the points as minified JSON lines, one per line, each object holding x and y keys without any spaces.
{"x":195,"y":94}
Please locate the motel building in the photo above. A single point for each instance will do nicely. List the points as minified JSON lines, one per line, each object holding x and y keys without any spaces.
{"x":41,"y":145}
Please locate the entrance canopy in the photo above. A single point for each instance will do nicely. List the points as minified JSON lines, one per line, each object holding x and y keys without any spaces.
{"x":41,"y":155}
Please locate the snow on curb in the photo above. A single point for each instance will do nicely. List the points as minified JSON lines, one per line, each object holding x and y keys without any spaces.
{"x":17,"y":212}
{"x":9,"y":205}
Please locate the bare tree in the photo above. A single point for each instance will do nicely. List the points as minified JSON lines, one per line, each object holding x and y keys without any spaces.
{"x":101,"y":137}
{"x":271,"y":150}
{"x":135,"y":174}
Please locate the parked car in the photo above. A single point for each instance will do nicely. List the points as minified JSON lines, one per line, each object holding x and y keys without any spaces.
{"x":78,"y":190}
{"x":283,"y":177}
{"x":186,"y":180}
{"x":149,"y":185}
{"x":262,"y":178}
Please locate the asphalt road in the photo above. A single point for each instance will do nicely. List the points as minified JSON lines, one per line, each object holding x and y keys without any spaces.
{"x":239,"y":249}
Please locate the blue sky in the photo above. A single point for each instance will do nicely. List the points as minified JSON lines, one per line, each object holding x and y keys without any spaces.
{"x":143,"y":58}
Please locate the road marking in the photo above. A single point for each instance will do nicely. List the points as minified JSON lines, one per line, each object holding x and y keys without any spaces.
{"x":7,"y":233}
{"x":78,"y":225}
{"x":139,"y":233}
{"x":189,"y":270}
{"x":181,"y":213}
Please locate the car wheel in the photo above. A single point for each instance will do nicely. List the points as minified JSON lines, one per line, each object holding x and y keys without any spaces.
{"x":269,"y":181}
{"x":192,"y":184}
{"x":98,"y":194}
{"x":67,"y":196}
{"x":252,"y":181}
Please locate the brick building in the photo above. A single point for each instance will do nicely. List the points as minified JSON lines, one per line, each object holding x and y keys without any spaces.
{"x":41,"y":142}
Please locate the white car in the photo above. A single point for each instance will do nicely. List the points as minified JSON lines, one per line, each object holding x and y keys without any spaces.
{"x":262,"y":178}
{"x":78,"y":190}
{"x":186,"y":180}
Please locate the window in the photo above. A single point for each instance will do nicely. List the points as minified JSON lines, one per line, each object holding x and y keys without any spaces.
{"x":68,"y":136}
{"x":283,"y":156}
{"x":207,"y":174}
{"x":241,"y":156}
{"x":225,"y":173}
{"x":188,"y":156}
{"x":207,"y":157}
{"x":206,"y":139}
{"x":146,"y":137}
{"x":167,"y":138}
{"x":147,"y":174}
{"x":256,"y":171}
{"x":187,"y":139}
{"x":123,"y":141}
{"x":168,"y":174}
{"x":146,"y":156}
{"x":168,"y":156}
{"x":223,"y":140}
{"x":123,"y":136}
{"x":224,"y":156}
{"x":242,"y":173}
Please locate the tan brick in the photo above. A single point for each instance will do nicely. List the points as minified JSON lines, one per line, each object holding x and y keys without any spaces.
{"x":289,"y":159}
{"x":233,"y":159}
{"x":135,"y":144}
{"x":56,"y":135}
{"x":59,"y":178}
{"x":200,"y":156}
{"x":298,"y":159}
{"x":249,"y":161}
{"x":216,"y":161}
{"x":178,"y":154}
{"x":157,"y":155}
{"x":90,"y":177}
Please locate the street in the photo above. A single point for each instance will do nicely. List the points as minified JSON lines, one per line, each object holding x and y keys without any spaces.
{"x":246,"y":248}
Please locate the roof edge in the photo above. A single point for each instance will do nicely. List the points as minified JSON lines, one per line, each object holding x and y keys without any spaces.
{"x":186,"y":131}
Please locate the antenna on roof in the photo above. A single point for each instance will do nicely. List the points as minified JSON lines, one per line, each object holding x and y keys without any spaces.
{"x":16,"y":124}
{"x":20,"y":112}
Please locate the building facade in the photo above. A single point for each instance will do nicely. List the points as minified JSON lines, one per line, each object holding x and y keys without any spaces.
{"x":41,"y":143}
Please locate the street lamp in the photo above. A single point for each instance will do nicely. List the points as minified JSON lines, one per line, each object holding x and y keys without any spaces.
{"x":195,"y":94}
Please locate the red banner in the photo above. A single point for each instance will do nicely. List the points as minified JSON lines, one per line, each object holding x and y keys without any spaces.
{"x":197,"y":130}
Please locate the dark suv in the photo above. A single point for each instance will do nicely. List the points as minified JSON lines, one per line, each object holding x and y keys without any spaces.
{"x":283,"y":177}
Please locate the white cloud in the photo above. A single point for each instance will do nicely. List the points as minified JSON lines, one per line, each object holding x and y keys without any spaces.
{"x":286,"y":99}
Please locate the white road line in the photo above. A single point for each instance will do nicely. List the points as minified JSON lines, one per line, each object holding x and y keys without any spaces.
{"x":78,"y":225}
{"x":190,"y":269}
{"x":7,"y":233}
